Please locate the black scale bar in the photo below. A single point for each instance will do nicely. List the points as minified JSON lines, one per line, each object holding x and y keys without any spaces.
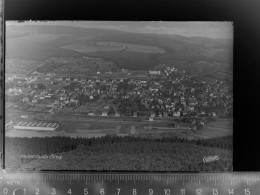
{"x":62,"y":183}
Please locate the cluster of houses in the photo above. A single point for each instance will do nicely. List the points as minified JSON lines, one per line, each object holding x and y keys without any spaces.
{"x":163,"y":93}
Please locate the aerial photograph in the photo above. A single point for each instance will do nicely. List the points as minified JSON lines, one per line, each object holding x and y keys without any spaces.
{"x":119,"y":96}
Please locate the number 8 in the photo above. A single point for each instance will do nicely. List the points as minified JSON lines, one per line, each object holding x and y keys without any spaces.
{"x":53,"y":191}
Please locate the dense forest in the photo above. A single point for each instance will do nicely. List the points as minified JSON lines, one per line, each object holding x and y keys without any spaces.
{"x":120,"y":153}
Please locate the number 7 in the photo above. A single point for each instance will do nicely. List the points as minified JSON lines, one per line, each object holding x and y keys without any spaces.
{"x":118,"y":190}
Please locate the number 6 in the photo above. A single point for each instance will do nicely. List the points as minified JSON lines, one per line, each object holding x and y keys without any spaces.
{"x":102,"y":191}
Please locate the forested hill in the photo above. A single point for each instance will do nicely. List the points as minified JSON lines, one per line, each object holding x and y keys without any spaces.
{"x":120,"y":153}
{"x":40,"y":42}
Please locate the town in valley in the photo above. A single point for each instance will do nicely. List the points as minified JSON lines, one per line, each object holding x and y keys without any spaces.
{"x":95,"y":93}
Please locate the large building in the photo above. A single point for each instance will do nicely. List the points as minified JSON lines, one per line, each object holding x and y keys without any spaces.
{"x":36,"y":126}
{"x":154,"y":72}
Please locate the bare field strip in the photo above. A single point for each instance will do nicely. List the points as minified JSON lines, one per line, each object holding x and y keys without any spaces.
{"x":112,"y":46}
{"x":221,"y":127}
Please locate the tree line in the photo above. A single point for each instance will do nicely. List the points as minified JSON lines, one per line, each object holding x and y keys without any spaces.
{"x":124,"y":153}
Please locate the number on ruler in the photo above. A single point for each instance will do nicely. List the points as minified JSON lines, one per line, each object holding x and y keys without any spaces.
{"x":230,"y":191}
{"x":198,"y":191}
{"x":134,"y":191}
{"x":85,"y":191}
{"x":167,"y":191}
{"x":53,"y":191}
{"x":247,"y":191}
{"x":215,"y":191}
{"x":150,"y":191}
{"x":69,"y":192}
{"x":118,"y":191}
{"x":5,"y":190}
{"x":102,"y":191}
{"x":37,"y":190}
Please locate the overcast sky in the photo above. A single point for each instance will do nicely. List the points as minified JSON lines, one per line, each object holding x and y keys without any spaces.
{"x":222,"y":30}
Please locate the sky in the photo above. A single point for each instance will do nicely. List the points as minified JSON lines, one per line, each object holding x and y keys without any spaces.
{"x":223,"y":30}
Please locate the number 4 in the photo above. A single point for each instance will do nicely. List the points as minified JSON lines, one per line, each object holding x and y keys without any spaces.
{"x":69,"y":191}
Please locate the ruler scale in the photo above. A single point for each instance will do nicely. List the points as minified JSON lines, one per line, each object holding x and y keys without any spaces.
{"x":62,"y":183}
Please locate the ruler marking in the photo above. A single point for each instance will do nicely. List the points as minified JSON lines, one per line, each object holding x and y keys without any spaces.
{"x":196,"y":179}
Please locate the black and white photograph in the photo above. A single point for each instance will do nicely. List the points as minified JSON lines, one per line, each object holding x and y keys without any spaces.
{"x":119,"y":95}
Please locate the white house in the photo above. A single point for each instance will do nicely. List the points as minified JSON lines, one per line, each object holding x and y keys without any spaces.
{"x":176,"y":113}
{"x":104,"y":113}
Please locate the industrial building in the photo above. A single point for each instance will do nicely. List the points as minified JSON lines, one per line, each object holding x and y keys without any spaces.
{"x":36,"y":126}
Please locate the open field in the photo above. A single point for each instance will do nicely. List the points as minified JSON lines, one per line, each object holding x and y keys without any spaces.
{"x":221,"y":127}
{"x":112,"y":46}
{"x":33,"y":38}
{"x":127,"y":50}
{"x":101,"y":126}
{"x":75,"y":65}
{"x":19,"y":66}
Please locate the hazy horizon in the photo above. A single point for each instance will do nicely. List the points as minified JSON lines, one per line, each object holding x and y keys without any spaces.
{"x":215,"y":30}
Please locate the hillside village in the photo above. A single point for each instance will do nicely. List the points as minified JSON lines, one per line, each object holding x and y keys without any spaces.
{"x":164,"y":92}
{"x":106,"y":99}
